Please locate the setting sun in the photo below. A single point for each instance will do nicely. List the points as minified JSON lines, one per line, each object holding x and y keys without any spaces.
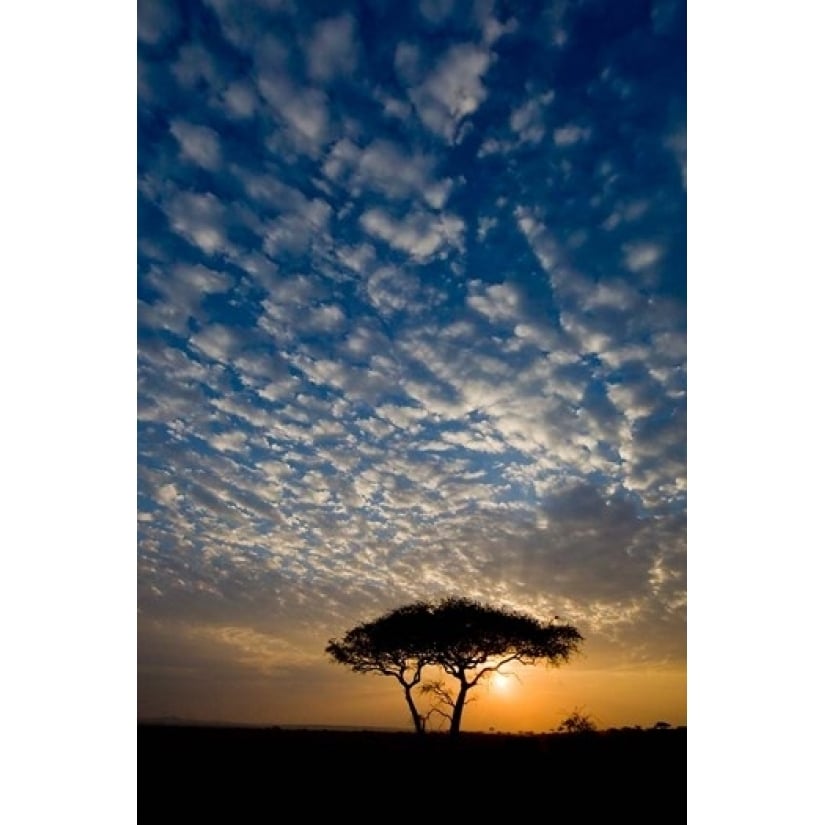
{"x":502,"y":682}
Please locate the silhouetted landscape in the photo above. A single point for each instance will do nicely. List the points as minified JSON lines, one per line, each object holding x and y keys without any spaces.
{"x":256,"y":771}
{"x":412,"y":409}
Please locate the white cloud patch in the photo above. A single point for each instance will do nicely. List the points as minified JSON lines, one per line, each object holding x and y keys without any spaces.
{"x":199,"y":218}
{"x":218,"y":342}
{"x":356,"y":258}
{"x":491,"y":27}
{"x":610,"y":294}
{"x":408,"y":62}
{"x":248,"y":26}
{"x":625,"y":213}
{"x":303,"y":111}
{"x":392,"y":290}
{"x":420,"y":234}
{"x":157,"y":21}
{"x":485,"y":224}
{"x":670,"y":346}
{"x":386,"y":168}
{"x":240,"y":99}
{"x":498,"y":303}
{"x":616,"y":294}
{"x":632,"y":400}
{"x":183,"y":288}
{"x":327,"y":318}
{"x":570,"y":135}
{"x":556,"y":15}
{"x":365,"y":341}
{"x":642,"y":255}
{"x":295,"y":292}
{"x":332,"y":51}
{"x":168,"y":494}
{"x":527,"y":120}
{"x":590,"y":339}
{"x":301,"y":222}
{"x":229,"y":441}
{"x":271,"y":191}
{"x":257,"y":367}
{"x":541,"y":241}
{"x":453,"y":90}
{"x":196,"y":66}
{"x":404,"y":418}
{"x":288,"y":298}
{"x":393,"y":107}
{"x":294,"y":232}
{"x":198,"y":144}
{"x":365,"y":384}
{"x":435,"y":11}
{"x":494,"y":146}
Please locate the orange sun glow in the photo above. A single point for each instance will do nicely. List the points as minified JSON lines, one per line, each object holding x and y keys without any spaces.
{"x":501,"y":682}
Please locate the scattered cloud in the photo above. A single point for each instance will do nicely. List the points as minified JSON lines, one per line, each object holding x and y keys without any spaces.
{"x":453,"y":90}
{"x":183,"y":287}
{"x":420,"y":234}
{"x":302,"y":112}
{"x":218,"y":342}
{"x":385,"y":168}
{"x":157,"y":22}
{"x":198,"y":144}
{"x":570,"y":135}
{"x":392,"y":290}
{"x":333,"y":49}
{"x":240,"y":100}
{"x":436,"y":11}
{"x":527,"y":120}
{"x":199,"y":218}
{"x":640,"y":256}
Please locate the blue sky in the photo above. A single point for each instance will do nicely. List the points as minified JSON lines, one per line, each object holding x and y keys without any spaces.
{"x":411,"y":322}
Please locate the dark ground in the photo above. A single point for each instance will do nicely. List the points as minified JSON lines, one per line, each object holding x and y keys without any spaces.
{"x":244,"y":775}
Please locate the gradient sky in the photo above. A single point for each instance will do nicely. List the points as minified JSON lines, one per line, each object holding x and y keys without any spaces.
{"x":411,"y":323}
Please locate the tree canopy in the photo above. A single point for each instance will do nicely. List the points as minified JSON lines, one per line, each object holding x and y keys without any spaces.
{"x":392,"y":645}
{"x":466,"y":639}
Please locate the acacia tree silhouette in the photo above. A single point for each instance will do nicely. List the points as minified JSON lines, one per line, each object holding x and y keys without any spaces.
{"x":468,"y":640}
{"x":394,"y":644}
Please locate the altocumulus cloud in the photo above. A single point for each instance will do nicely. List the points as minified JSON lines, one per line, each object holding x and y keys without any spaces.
{"x":412,"y":322}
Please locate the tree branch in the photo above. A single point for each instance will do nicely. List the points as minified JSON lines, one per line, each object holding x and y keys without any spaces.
{"x":516,"y":657}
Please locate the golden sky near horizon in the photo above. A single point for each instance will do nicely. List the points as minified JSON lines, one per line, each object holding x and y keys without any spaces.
{"x":235,"y":676}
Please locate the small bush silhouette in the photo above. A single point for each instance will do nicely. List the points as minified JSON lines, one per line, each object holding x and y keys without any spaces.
{"x":577,"y":722}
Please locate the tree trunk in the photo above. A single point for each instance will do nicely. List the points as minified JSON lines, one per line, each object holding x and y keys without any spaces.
{"x":458,"y":710}
{"x":416,"y":716}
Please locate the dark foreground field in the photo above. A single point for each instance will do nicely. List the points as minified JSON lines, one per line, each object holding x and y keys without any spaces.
{"x":273,"y":775}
